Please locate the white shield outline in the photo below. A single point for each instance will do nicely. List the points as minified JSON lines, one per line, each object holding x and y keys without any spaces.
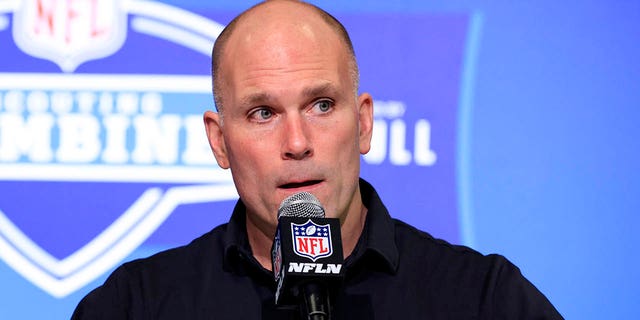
{"x":312,"y":257}
{"x":60,"y":278}
{"x":68,"y":61}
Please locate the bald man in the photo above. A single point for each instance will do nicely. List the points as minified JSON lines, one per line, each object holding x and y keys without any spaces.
{"x":289,"y":119}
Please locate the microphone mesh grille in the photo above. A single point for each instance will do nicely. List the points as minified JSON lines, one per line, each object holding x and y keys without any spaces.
{"x":302,"y":205}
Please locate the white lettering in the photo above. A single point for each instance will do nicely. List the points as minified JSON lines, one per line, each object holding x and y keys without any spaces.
{"x":156,"y":139}
{"x":398,"y":155}
{"x":334,"y":268}
{"x":37,"y":101}
{"x":295,"y":267}
{"x":127,"y":103}
{"x":388,"y":109}
{"x":79,"y":138}
{"x":422,"y":145}
{"x":86,"y":102}
{"x":115,"y":150}
{"x":14,"y":101}
{"x":106,"y":103}
{"x":197,"y":149}
{"x":130,"y":127}
{"x":89,"y":126}
{"x":308,"y":267}
{"x":61,"y":102}
{"x":392,"y":142}
{"x":151,"y":104}
{"x":31,"y":137}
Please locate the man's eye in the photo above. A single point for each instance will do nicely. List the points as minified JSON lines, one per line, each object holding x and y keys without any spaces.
{"x":261,"y":114}
{"x":323,"y":106}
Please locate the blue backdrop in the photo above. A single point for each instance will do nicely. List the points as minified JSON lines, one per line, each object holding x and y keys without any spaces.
{"x":506,"y":126}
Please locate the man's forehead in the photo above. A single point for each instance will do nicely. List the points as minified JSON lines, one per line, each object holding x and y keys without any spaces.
{"x":280,"y":11}
{"x":281,"y":22}
{"x":281,"y":36}
{"x":282,"y":28}
{"x":254,"y":50}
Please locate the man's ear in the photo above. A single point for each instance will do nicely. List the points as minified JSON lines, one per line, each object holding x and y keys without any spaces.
{"x":213,"y":125}
{"x":365,"y":111}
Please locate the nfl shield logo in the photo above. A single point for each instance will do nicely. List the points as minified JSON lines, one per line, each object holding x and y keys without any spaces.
{"x":79,"y":193}
{"x":312,"y":240}
{"x":70,"y":32}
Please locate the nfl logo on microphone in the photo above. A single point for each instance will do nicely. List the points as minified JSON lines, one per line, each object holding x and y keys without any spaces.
{"x":312,"y":240}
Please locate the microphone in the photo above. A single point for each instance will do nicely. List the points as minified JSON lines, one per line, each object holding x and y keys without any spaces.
{"x":306,"y":256}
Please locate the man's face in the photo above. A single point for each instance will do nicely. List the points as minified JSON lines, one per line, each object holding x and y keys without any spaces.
{"x":291,"y":121}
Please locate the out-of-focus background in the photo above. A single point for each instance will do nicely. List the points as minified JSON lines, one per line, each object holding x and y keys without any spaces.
{"x":507,"y":126}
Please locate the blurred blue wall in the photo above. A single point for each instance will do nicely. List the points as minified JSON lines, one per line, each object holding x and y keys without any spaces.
{"x":553,"y":95}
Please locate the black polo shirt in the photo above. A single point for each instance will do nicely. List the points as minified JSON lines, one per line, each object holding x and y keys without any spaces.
{"x":395,"y":272}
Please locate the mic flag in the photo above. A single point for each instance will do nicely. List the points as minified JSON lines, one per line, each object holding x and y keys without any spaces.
{"x":307,"y":248}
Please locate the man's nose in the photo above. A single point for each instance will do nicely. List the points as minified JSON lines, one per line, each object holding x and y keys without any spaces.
{"x":297,"y":143}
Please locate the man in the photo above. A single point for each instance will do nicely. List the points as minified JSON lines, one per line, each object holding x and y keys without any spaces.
{"x":289,"y":119}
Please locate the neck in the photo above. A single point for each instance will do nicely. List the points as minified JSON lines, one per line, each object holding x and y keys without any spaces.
{"x":351,"y":229}
{"x":260,"y":242}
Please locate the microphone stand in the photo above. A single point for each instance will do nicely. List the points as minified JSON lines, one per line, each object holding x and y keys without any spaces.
{"x":314,"y":301}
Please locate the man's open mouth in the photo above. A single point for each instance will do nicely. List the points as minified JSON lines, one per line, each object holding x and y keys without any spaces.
{"x":300,"y":184}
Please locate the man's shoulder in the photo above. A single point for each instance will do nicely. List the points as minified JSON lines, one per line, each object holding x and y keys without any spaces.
{"x":138,"y":287}
{"x":408,"y":235}
{"x":454,"y":275}
{"x":182,"y":260}
{"x":424,"y":248}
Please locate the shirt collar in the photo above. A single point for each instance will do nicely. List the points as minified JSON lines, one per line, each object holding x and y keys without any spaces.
{"x":376,"y":241}
{"x":236,"y":241}
{"x":378,"y":236}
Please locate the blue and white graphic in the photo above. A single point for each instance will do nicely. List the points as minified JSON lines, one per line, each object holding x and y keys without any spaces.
{"x":103,"y":151}
{"x":61,"y":134}
{"x":507,"y":126}
{"x":69,"y":32}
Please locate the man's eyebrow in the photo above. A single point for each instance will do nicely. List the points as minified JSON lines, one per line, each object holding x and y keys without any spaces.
{"x":256,"y":98}
{"x":259,"y":98}
{"x":326,"y":89}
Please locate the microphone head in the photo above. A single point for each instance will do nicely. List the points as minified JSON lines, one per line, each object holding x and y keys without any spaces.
{"x":301,"y":205}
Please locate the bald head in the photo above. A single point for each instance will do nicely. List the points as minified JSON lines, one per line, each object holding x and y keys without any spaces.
{"x":282,"y":16}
